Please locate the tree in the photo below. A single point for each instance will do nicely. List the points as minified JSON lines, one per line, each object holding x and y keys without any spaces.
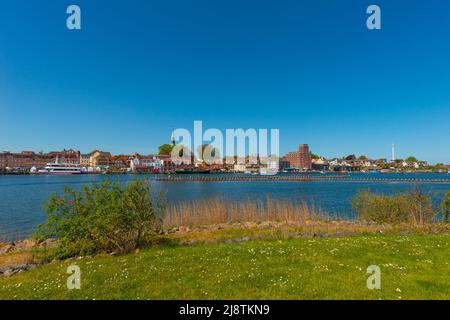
{"x":362,"y":158}
{"x":165,"y":149}
{"x":314,"y":156}
{"x":351,"y":157}
{"x":411,"y":159}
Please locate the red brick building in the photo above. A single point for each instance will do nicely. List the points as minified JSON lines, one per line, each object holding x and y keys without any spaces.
{"x":23,"y":160}
{"x":120,"y":162}
{"x":69,"y":157}
{"x":300,"y":159}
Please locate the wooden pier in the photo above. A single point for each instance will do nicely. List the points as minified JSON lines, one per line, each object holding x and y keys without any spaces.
{"x":228,"y":178}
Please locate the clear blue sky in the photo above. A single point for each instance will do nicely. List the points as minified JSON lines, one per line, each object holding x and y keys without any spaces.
{"x":139,"y":69}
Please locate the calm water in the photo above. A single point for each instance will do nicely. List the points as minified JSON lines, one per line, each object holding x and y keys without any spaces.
{"x":22,"y":197}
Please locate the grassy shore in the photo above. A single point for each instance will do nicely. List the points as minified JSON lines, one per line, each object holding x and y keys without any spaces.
{"x":271,"y":267}
{"x":219,"y":250}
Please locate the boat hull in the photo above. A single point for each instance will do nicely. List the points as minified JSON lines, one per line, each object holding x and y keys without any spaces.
{"x":64,"y":173}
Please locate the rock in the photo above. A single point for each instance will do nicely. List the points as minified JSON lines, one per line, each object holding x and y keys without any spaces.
{"x":25,"y":244}
{"x":243,"y":239}
{"x":48,"y":243}
{"x":7,"y":248}
{"x":238,"y":240}
{"x":8,"y":272}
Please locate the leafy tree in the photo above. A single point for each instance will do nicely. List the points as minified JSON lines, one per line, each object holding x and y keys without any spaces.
{"x":165,"y":149}
{"x":411,"y":159}
{"x":445,"y":207}
{"x":314,"y":156}
{"x":440,"y":166}
{"x":362,"y":158}
{"x":105,"y":217}
{"x":351,"y":157}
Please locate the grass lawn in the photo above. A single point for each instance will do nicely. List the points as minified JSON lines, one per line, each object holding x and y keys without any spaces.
{"x":412,"y":267}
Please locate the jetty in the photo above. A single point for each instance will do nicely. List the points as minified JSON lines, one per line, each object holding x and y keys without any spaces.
{"x":228,"y":178}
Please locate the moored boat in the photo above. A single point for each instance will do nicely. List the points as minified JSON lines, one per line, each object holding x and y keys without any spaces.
{"x":61,"y":168}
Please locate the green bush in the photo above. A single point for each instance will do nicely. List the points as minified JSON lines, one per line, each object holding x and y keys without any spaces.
{"x":445,"y":207}
{"x":414,"y":207}
{"x":105,"y":217}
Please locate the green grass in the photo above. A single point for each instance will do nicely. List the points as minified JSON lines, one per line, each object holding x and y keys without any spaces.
{"x":412,"y":267}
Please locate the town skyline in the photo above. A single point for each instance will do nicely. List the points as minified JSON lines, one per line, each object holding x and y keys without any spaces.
{"x":312,"y":70}
{"x":312,"y":152}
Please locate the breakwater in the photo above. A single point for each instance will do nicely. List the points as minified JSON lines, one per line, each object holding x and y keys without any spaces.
{"x":294,"y":179}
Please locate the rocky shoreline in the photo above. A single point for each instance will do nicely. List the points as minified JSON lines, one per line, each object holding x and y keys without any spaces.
{"x":15,"y":257}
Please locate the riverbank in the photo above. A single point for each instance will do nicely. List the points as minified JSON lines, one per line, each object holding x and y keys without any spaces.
{"x":18,"y":256}
{"x":256,"y":262}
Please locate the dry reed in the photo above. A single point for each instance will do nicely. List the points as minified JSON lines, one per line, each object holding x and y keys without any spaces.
{"x":218,"y":211}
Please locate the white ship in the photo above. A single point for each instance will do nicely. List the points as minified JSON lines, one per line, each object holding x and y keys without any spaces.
{"x":61,"y":168}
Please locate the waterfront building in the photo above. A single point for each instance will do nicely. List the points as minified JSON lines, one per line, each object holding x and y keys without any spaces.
{"x":284,"y":165}
{"x":85,"y":160}
{"x":4,"y":160}
{"x":24,"y":160}
{"x":41,"y":160}
{"x":146,"y":163}
{"x":246,"y":168}
{"x":169,"y":164}
{"x":320,"y":165}
{"x":240,"y":168}
{"x":120,"y":162}
{"x":68,"y":157}
{"x":99,"y":159}
{"x":340,"y":165}
{"x":300,"y":159}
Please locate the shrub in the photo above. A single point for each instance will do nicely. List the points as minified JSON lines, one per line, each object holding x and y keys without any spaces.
{"x":445,"y":207}
{"x":105,"y":217}
{"x":414,"y":207}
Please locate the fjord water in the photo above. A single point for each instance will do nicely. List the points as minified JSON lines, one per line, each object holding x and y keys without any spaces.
{"x":22,"y":197}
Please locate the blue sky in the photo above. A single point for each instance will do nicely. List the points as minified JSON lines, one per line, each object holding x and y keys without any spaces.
{"x":139,"y":69}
